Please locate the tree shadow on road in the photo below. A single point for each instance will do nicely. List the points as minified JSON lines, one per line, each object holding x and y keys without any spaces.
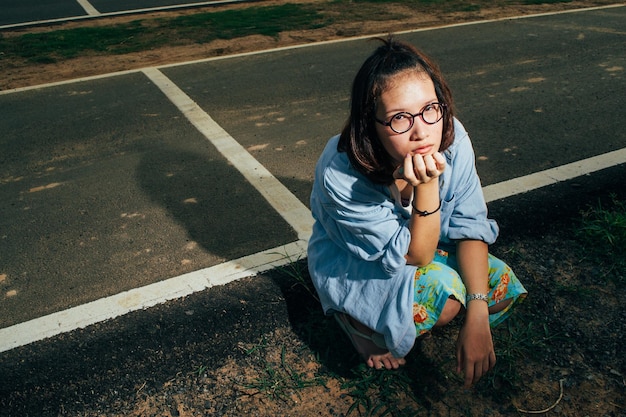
{"x":218,"y":208}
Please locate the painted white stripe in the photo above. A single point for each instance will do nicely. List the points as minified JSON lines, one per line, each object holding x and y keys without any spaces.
{"x":140,"y":298}
{"x":554,"y":175}
{"x":279,"y":196}
{"x":89,"y":9}
{"x":66,"y":82}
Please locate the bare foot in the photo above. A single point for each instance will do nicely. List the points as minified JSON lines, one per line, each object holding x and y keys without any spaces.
{"x":368,"y":344}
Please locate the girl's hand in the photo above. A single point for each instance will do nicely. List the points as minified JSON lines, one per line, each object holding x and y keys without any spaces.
{"x":419,"y":169}
{"x":475,"y":355}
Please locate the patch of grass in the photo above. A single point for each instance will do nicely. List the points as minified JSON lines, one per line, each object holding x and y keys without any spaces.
{"x":280,"y":381}
{"x":517,"y":340}
{"x":64,"y":44}
{"x":140,"y":35}
{"x":380,"y":393}
{"x":297,"y":271}
{"x":602,"y":233}
{"x":606,"y":225}
{"x":230,"y":24}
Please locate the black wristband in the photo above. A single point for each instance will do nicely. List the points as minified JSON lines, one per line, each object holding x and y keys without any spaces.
{"x":425,"y":213}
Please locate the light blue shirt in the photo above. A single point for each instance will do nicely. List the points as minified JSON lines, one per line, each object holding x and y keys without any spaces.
{"x":361,"y":235}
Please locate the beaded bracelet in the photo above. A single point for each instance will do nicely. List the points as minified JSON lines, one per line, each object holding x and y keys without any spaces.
{"x":426,"y":213}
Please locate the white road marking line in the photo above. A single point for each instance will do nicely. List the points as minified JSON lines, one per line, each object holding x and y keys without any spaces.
{"x":89,"y":9}
{"x":279,"y":196}
{"x":554,"y":175}
{"x":66,"y":82}
{"x":148,"y":296}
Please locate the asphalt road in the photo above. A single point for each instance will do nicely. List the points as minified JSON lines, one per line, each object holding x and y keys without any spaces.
{"x":31,"y":12}
{"x":120,"y":182}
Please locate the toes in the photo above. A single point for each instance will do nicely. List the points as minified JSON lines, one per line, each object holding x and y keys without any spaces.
{"x":385,"y":362}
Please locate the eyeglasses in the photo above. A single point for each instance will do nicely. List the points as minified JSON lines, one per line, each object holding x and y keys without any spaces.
{"x":403,"y":122}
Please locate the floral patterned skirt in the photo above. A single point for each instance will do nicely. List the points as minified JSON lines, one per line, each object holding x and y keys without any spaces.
{"x":439,"y":280}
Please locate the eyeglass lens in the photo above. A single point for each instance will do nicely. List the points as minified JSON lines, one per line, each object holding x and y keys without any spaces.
{"x":430,"y":114}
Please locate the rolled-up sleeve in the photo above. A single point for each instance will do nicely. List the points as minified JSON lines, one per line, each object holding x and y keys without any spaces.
{"x":365,"y":221}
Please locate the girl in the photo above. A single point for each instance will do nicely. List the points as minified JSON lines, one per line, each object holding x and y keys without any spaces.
{"x":401,"y":234}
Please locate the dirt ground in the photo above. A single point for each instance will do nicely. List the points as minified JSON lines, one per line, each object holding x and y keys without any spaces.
{"x":261,"y":346}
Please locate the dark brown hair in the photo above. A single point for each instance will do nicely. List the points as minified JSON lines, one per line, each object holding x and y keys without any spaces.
{"x":358,"y":138}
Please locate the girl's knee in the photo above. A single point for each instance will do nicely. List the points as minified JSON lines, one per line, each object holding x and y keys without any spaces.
{"x":496,"y":308}
{"x":450,"y":310}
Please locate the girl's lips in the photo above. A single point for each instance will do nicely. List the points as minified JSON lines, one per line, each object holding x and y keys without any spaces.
{"x":423,"y":150}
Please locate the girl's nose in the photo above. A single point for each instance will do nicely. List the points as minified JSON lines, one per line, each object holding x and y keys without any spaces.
{"x":418,"y":130}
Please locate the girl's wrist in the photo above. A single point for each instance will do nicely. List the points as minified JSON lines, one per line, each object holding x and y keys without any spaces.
{"x":424,"y":213}
{"x":426,"y":198}
{"x":426,"y":185}
{"x":476,"y":311}
{"x":426,"y":191}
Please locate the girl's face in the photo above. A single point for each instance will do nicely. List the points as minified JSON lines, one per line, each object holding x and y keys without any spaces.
{"x":408,"y":92}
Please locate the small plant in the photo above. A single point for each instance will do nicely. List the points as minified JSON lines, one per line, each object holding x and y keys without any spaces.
{"x":519,"y":340}
{"x":281,"y":381}
{"x":381,"y":393}
{"x":606,"y":226}
{"x":297,"y":270}
{"x":603,"y":234}
{"x":200,"y":371}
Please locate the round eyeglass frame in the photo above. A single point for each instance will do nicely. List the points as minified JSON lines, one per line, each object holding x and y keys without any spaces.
{"x":413,"y":116}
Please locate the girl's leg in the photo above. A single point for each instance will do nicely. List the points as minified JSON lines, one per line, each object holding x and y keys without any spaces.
{"x":440,"y":293}
{"x":501,"y":306}
{"x":505,"y":290}
{"x":450,"y":310}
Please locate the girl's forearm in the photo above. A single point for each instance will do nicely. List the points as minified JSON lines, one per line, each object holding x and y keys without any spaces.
{"x":424,"y":228}
{"x":473,"y":262}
